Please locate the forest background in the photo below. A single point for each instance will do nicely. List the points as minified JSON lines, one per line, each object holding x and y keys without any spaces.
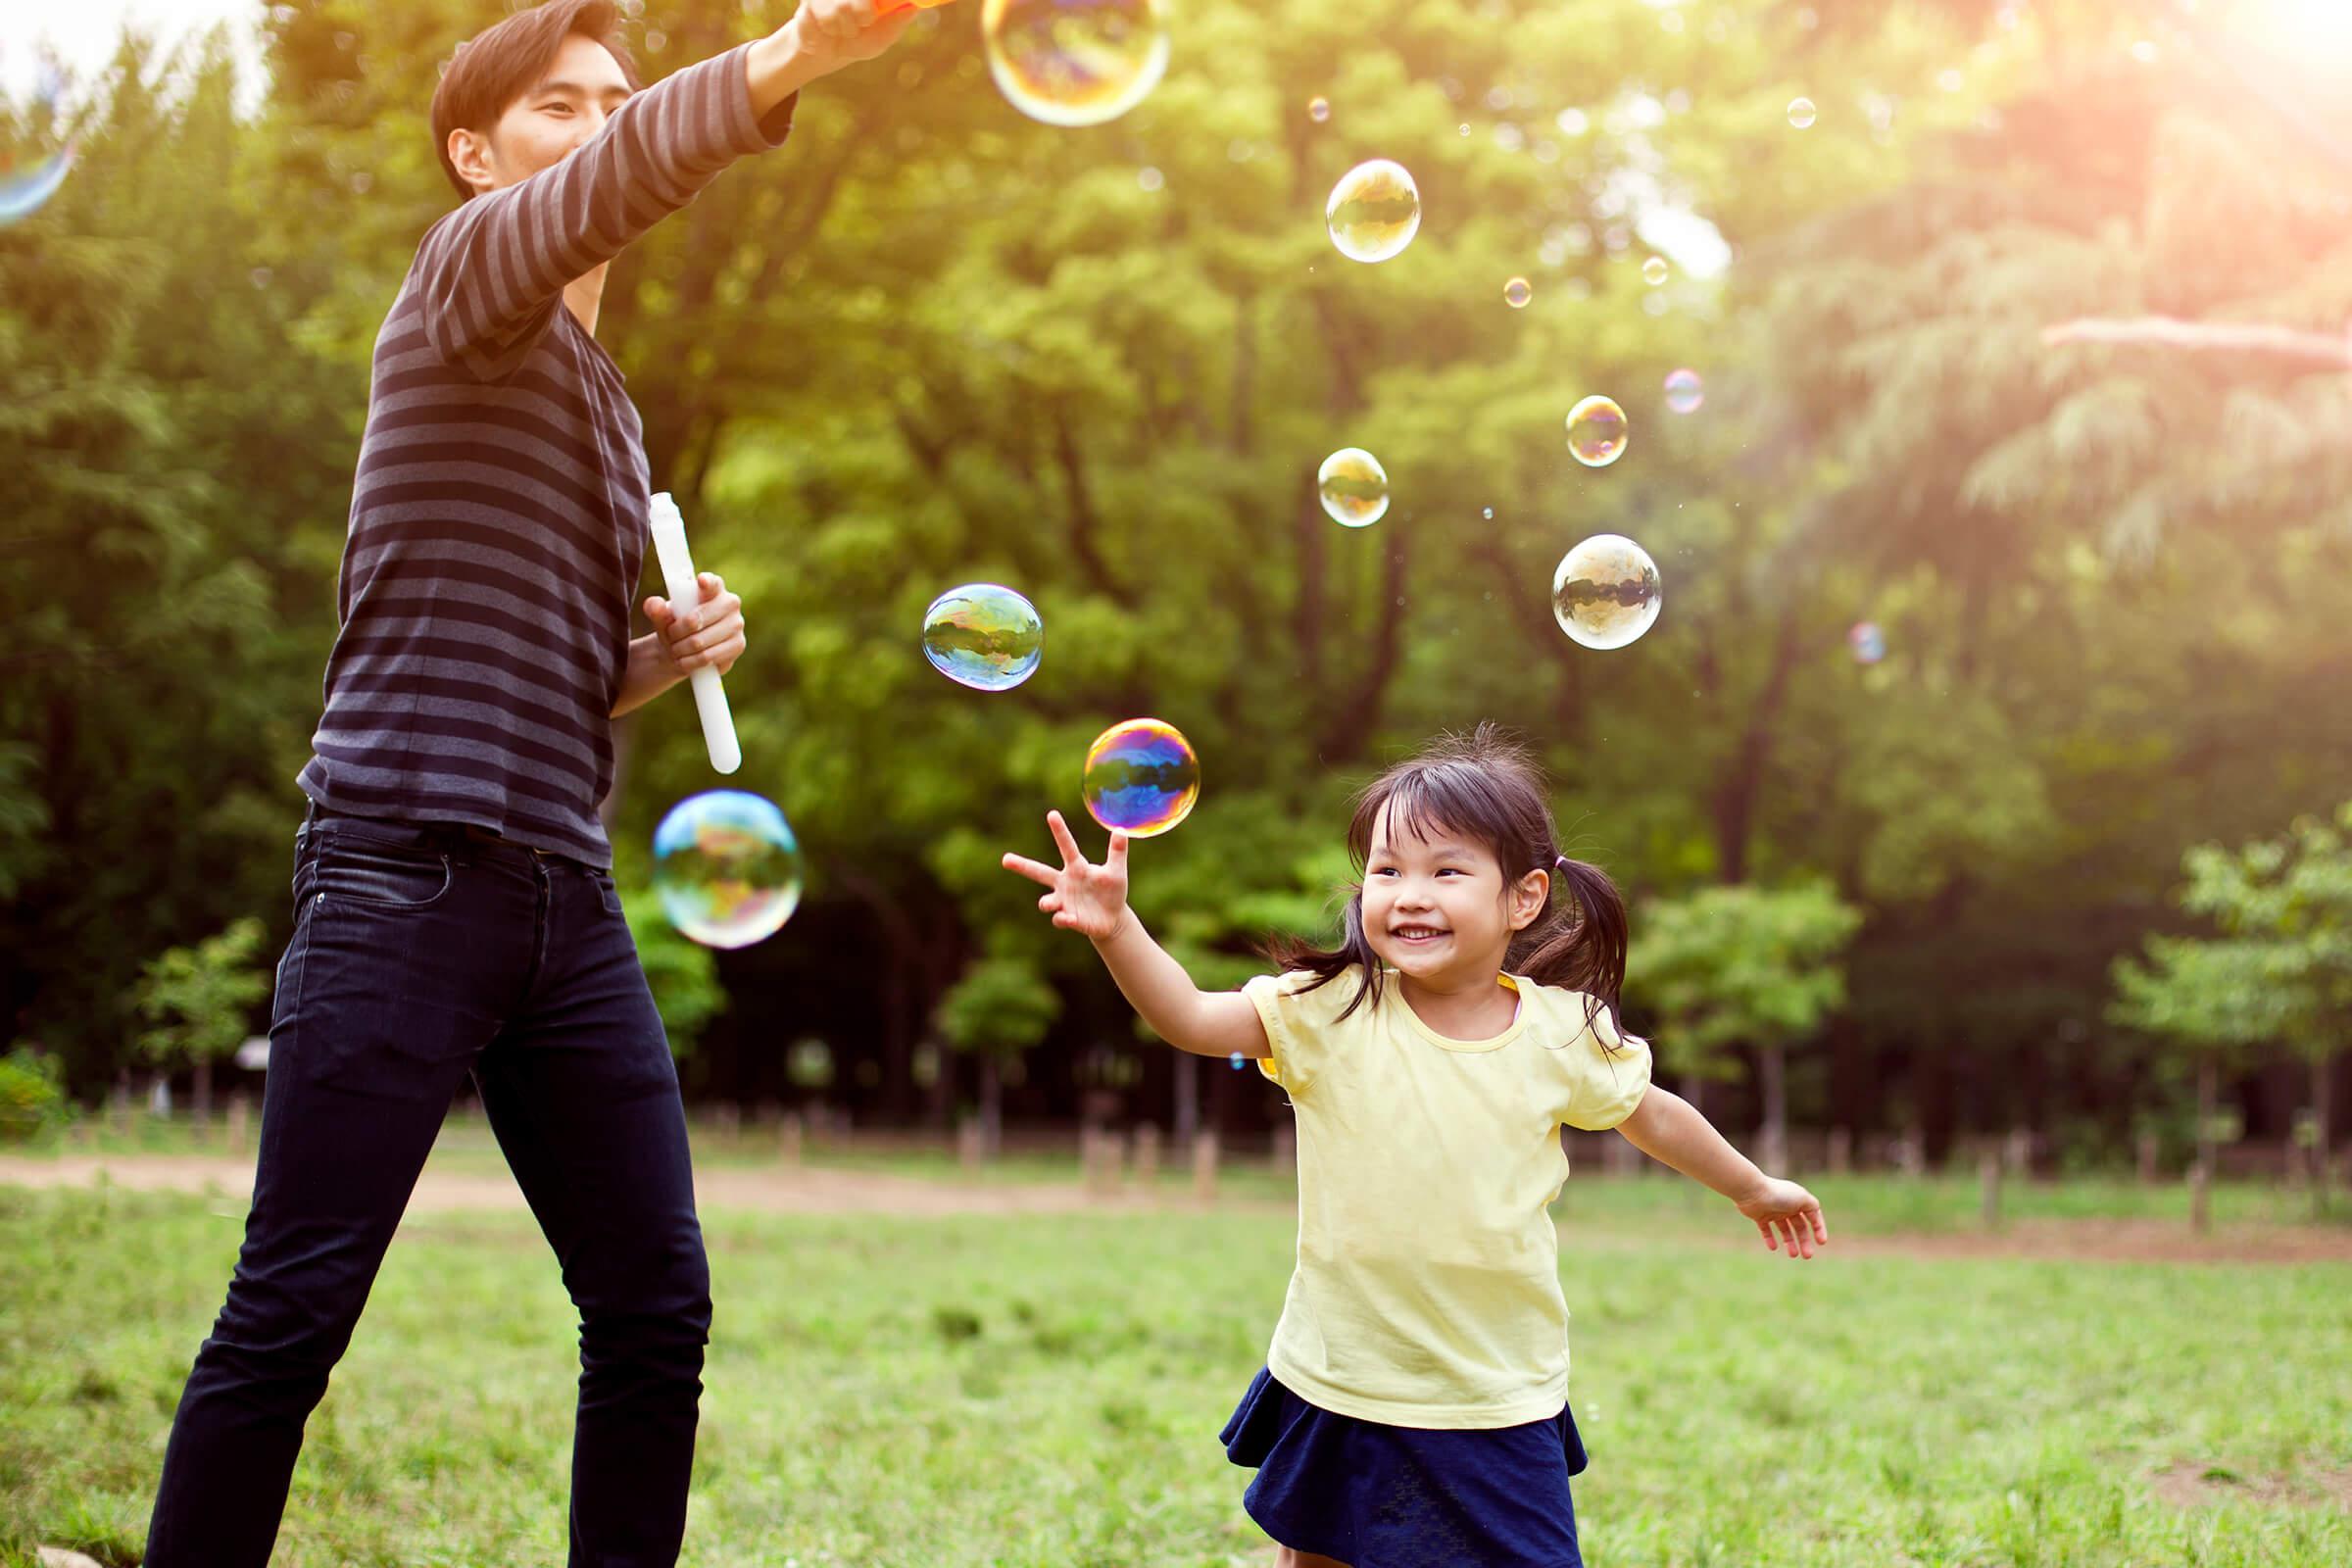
{"x":932,"y":342}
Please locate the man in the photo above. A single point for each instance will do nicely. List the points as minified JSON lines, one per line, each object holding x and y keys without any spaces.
{"x":455,"y":913}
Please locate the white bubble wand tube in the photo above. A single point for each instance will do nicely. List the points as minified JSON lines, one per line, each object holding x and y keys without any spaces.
{"x":685,"y":597}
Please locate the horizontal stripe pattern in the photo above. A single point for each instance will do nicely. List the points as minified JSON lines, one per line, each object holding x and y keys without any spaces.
{"x":498,"y":513}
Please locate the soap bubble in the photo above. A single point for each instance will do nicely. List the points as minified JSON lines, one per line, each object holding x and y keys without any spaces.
{"x":1597,"y":433}
{"x":1318,"y":109}
{"x":1867,"y":641}
{"x":1685,"y":391}
{"x":1655,"y":271}
{"x":1355,"y":487}
{"x":726,"y":868}
{"x":1802,"y":113}
{"x":1374,"y":210}
{"x":1240,"y":1061}
{"x":1075,"y":62}
{"x":1142,"y":777}
{"x":984,"y":636}
{"x":24,"y":192}
{"x":1516,"y":293}
{"x":1605,"y":591}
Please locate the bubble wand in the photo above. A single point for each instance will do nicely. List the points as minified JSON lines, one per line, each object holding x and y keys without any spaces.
{"x":686,"y":597}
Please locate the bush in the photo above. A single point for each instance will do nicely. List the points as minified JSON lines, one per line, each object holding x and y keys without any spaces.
{"x":31,"y":1094}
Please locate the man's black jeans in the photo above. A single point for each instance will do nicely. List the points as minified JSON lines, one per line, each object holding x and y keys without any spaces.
{"x":422,"y":954}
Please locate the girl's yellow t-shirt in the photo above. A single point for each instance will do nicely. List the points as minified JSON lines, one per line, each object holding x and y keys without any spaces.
{"x":1428,"y":1286}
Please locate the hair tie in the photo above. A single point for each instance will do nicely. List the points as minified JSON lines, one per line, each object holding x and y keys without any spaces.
{"x":1559,"y":862}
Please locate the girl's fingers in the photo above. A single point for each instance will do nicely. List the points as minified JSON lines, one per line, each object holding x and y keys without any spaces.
{"x":1116,"y":859}
{"x":1766,"y":1228}
{"x":1061,"y":837}
{"x":1034,"y":870}
{"x":1049,"y":903}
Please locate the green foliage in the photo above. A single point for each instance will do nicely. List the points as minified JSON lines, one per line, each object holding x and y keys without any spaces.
{"x":931,"y":341}
{"x":1002,"y":1007}
{"x":682,"y":974}
{"x":198,"y":1002}
{"x":2282,"y":972}
{"x":31,"y":1093}
{"x":1742,"y":965}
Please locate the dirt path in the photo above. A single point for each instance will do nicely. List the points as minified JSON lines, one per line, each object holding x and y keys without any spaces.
{"x":816,"y":1190}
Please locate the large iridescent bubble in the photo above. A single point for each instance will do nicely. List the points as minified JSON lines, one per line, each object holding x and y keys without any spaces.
{"x":1605,"y":591}
{"x":1374,"y":210}
{"x":726,"y":868}
{"x":1142,"y":777}
{"x":1597,"y":433}
{"x":24,"y":191}
{"x":1353,"y":487}
{"x":1075,"y":62}
{"x":984,"y":636}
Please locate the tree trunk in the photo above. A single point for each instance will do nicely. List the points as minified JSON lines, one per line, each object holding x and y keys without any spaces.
{"x":1187,"y":1082}
{"x":2323,"y":1095}
{"x":992,"y":1107}
{"x":2200,"y":1217}
{"x":1773,"y":1083}
{"x":203,"y":1097}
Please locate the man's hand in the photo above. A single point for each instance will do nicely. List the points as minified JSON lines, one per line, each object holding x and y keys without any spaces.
{"x":832,"y":33}
{"x":710,"y":635}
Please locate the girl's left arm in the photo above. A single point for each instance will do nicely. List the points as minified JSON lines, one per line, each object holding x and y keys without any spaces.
{"x":1670,"y":1130}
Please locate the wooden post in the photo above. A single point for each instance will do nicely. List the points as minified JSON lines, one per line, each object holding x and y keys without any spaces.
{"x":971,"y":1143}
{"x":1842,"y":1150}
{"x":1285,"y":1160}
{"x":239,"y":1108}
{"x":2200,"y":1198}
{"x":1989,"y":1184}
{"x":2147,"y":1159}
{"x":1147,"y":1157}
{"x":2017,"y":1155}
{"x":790,"y":1131}
{"x":1204,"y":1164}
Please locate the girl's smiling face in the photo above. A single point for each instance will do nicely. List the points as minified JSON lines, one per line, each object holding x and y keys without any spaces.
{"x":1436,"y":906}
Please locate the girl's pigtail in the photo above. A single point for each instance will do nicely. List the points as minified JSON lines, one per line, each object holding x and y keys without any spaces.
{"x":1585,"y":949}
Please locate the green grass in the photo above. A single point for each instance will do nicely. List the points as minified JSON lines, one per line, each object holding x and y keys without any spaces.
{"x":1047,"y":1390}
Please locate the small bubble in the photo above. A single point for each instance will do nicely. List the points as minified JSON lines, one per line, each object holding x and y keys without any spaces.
{"x":1149,"y":178}
{"x":1655,"y":271}
{"x":1516,"y":293}
{"x":1318,"y":109}
{"x":1802,"y":113}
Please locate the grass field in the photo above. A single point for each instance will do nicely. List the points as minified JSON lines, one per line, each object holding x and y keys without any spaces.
{"x":1047,"y":1390}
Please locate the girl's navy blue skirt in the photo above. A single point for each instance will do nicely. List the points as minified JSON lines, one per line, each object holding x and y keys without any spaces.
{"x":1382,"y":1496}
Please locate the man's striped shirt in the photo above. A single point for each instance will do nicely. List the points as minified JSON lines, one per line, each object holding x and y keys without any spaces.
{"x":498,"y":519}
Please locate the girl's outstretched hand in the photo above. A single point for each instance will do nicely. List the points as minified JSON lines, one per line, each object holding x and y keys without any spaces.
{"x":1785,"y":1213}
{"x":1082,"y":896}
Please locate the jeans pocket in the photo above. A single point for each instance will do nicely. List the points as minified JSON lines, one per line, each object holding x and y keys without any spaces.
{"x":608,"y":889}
{"x":379,"y":876}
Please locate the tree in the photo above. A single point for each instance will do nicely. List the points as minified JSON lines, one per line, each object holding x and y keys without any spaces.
{"x":198,"y":1004}
{"x":999,"y":1010}
{"x":1733,"y":967}
{"x":2211,"y":1000}
{"x":2291,"y":899}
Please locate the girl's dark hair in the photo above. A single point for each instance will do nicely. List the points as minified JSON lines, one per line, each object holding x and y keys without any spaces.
{"x":505,"y":61}
{"x":1481,"y":785}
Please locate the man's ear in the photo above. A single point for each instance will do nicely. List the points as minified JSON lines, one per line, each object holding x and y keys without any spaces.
{"x":469,"y":153}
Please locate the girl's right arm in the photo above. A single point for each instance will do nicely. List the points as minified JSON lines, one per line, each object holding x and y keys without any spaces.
{"x":1093,"y":899}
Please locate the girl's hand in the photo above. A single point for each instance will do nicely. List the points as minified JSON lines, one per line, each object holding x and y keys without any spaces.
{"x":1794,"y":1211}
{"x":1084,"y":897}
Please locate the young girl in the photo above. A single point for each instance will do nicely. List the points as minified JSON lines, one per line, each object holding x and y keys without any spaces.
{"x":1413,"y":1405}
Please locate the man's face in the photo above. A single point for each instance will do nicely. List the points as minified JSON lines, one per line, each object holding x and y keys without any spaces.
{"x":547,"y":124}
